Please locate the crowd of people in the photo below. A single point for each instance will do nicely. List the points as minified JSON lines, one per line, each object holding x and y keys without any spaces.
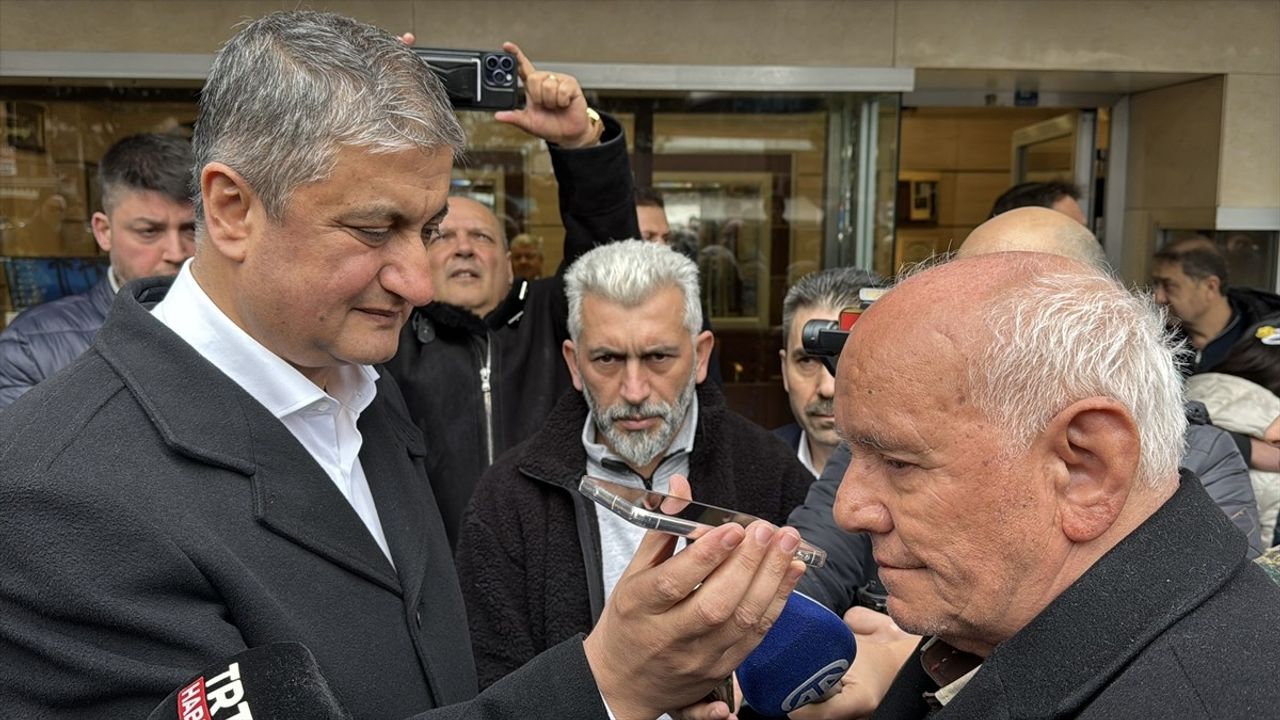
{"x":317,"y":399}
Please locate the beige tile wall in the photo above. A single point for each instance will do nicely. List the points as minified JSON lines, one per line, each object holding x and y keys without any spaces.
{"x":1237,"y":38}
{"x":970,"y":151}
{"x":1174,"y":140}
{"x":1135,"y":35}
{"x":1250,"y":160}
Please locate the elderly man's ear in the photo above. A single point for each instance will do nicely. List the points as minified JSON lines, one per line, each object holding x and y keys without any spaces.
{"x":1093,"y":447}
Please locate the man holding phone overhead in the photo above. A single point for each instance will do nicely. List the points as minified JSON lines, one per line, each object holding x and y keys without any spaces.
{"x":537,"y":562}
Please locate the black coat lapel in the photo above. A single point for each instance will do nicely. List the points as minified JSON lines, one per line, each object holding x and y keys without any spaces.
{"x":205,"y":416}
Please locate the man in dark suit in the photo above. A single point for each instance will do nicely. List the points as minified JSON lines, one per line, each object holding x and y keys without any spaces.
{"x":1016,"y":423}
{"x":224,"y":468}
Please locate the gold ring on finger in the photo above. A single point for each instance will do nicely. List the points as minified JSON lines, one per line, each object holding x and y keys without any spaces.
{"x":552,"y":77}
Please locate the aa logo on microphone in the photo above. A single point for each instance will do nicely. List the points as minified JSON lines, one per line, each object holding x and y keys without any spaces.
{"x":817,"y":686}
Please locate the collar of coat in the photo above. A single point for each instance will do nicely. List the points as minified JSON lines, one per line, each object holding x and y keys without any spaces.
{"x":446,"y":317}
{"x":158,"y":367}
{"x":1076,"y":646}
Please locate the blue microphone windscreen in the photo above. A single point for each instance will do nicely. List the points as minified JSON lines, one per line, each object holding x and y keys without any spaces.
{"x":800,"y":659}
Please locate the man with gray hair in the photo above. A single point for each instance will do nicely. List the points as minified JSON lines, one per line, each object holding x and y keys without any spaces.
{"x":537,"y":562}
{"x":1026,"y":509}
{"x":225,"y":468}
{"x":809,"y":385}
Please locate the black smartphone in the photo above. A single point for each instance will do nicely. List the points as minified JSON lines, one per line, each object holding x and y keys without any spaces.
{"x":475,"y":79}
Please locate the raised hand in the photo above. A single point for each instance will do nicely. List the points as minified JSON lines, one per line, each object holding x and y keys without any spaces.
{"x":555,"y":108}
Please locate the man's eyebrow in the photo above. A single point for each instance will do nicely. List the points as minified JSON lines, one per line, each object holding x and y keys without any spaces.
{"x":867,"y":440}
{"x":372,"y":213}
{"x":385,"y":213}
{"x":660,"y":350}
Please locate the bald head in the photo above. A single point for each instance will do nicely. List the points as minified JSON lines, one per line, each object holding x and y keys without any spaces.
{"x":949,"y":301}
{"x":1035,"y":229}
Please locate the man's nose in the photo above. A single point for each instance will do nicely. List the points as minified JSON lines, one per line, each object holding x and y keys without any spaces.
{"x":1161,"y":297}
{"x":635,"y":382}
{"x":826,"y":385}
{"x":406,"y":273}
{"x":462,"y":245}
{"x":178,"y":246}
{"x":857,"y":509}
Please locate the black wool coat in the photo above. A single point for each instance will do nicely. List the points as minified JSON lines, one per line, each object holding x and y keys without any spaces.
{"x":156,"y":519}
{"x":1173,"y":622}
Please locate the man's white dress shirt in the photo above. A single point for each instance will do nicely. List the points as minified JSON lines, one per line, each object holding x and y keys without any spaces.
{"x":324,"y":421}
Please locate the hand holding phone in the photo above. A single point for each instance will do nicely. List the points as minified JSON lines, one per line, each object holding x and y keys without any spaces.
{"x":675,"y":516}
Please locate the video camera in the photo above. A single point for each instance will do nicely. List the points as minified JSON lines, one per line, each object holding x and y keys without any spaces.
{"x":475,"y":79}
{"x":825,"y":339}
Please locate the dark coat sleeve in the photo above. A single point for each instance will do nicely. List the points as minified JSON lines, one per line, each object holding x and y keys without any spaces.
{"x":597,"y":194}
{"x":556,"y":684}
{"x":19,"y":370}
{"x":1213,"y":457}
{"x":491,"y":560}
{"x":849,"y":561}
{"x":597,"y":205}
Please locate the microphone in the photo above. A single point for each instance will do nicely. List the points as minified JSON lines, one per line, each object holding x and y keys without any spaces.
{"x":279,"y":680}
{"x":800,"y":660}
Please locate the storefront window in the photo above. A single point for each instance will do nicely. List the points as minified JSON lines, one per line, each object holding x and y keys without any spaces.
{"x":53,"y":137}
{"x":759,"y":190}
{"x":1251,"y":254}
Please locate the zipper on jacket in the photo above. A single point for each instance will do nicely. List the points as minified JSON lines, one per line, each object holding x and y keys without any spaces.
{"x":486,"y":391}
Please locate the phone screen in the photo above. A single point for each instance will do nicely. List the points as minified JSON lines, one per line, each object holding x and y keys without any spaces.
{"x":676,"y":516}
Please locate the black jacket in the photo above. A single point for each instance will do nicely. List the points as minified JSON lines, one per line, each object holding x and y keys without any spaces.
{"x":790,"y":434}
{"x":529,"y":557}
{"x":1173,"y":622}
{"x":445,"y":349}
{"x":46,"y":338}
{"x":156,"y":519}
{"x":1248,"y":306}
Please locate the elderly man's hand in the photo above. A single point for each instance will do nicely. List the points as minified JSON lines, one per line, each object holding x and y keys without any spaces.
{"x":555,"y":109}
{"x":675,"y":627}
{"x":882,"y":649}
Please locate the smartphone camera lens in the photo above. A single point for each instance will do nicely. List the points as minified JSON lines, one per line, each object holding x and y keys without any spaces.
{"x":506,"y":63}
{"x":500,"y":77}
{"x":491,"y":61}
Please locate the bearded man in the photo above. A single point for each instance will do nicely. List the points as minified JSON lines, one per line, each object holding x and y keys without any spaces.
{"x":536,"y":560}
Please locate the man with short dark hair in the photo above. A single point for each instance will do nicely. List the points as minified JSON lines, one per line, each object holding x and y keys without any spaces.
{"x":651,"y":210}
{"x":1190,"y":278}
{"x":1055,"y":195}
{"x":536,"y":559}
{"x":526,"y":256}
{"x":225,"y":467}
{"x":146,"y":227}
{"x":809,"y":385}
